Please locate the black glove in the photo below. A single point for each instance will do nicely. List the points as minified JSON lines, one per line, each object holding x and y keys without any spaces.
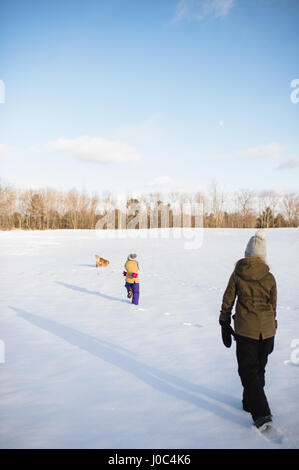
{"x":226,"y":332}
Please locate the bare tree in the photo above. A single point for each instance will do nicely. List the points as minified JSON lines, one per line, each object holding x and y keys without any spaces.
{"x":290,"y":205}
{"x":269,"y":199}
{"x":217,"y":204}
{"x":7,"y":205}
{"x":51,"y":209}
{"x":244,"y":202}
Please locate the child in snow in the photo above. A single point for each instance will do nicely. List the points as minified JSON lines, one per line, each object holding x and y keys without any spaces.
{"x":132,"y":280}
{"x":255,"y":324}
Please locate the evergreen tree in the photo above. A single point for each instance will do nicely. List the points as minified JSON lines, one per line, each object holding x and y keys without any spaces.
{"x":265,"y":219}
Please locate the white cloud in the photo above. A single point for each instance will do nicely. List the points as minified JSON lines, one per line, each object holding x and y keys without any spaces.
{"x":199,"y":9}
{"x":273,"y":150}
{"x":289,"y":164}
{"x":146,"y":135}
{"x":96,"y":149}
{"x":182,"y":10}
{"x":3,"y":150}
{"x":160,"y":181}
{"x":269,"y":151}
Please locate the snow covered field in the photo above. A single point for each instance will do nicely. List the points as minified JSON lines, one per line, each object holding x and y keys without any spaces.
{"x":83,"y":368}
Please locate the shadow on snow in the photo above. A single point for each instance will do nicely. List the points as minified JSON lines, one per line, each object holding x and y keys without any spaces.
{"x":164,"y":382}
{"x":87,"y":291}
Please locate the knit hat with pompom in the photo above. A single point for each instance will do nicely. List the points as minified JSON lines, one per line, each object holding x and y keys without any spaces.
{"x":257,"y":245}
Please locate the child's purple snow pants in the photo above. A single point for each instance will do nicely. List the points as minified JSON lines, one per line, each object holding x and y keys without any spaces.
{"x":135,"y":288}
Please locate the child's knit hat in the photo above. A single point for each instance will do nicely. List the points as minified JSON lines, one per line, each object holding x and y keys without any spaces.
{"x":132,"y":257}
{"x":257,"y":245}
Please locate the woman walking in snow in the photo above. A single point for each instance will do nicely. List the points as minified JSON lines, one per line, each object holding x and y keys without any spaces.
{"x":132,"y":279}
{"x":255,"y":324}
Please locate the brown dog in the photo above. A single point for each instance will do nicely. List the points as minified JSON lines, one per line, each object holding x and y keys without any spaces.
{"x":101,"y":262}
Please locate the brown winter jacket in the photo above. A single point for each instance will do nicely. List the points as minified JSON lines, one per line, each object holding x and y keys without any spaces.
{"x":255,"y":289}
{"x":131,"y":267}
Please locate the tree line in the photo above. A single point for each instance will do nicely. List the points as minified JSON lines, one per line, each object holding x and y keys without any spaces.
{"x":46,"y":209}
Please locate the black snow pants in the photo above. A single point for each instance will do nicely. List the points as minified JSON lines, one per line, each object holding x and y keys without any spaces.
{"x":252,"y":357}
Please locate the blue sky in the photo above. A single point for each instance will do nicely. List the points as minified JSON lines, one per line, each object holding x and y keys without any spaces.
{"x":127,"y":95}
